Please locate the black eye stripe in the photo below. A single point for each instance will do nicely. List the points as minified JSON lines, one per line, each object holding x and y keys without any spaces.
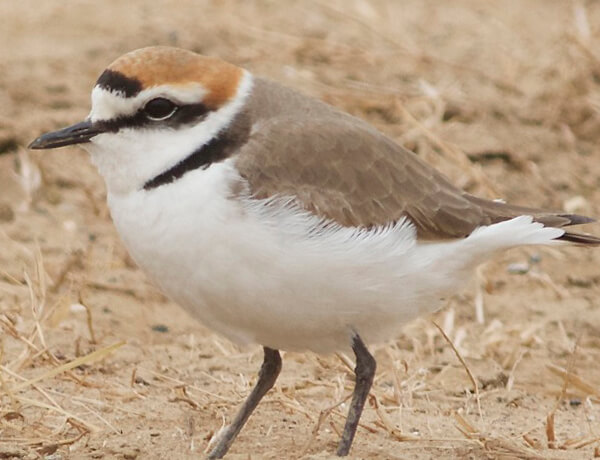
{"x":185,"y":114}
{"x":190,"y":113}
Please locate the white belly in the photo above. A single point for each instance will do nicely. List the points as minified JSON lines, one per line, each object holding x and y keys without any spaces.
{"x":269,"y":273}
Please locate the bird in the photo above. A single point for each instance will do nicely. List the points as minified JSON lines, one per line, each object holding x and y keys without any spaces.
{"x":279,"y":220}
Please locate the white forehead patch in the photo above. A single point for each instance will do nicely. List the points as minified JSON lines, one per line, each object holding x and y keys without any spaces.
{"x":109,"y":105}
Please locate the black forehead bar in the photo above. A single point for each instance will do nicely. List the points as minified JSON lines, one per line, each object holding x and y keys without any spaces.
{"x":111,"y":80}
{"x":186,"y":114}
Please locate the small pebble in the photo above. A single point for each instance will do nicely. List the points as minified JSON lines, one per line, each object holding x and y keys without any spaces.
{"x":577,"y":205}
{"x":53,"y":196}
{"x":11,"y":452}
{"x":579,"y":282}
{"x":519,"y":268}
{"x":53,"y":456}
{"x":70,"y":226}
{"x":130,"y":454}
{"x":6,"y":213}
{"x":77,"y":308}
{"x":139,"y":380}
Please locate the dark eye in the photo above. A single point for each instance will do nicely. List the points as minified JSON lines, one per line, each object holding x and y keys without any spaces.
{"x":159,"y":109}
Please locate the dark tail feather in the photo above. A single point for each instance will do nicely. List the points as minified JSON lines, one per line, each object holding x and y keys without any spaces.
{"x":579,"y":238}
{"x":576,"y":219}
{"x":499,"y":211}
{"x":573,"y":219}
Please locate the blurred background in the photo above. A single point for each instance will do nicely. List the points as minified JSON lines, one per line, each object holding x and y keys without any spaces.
{"x":503,"y":97}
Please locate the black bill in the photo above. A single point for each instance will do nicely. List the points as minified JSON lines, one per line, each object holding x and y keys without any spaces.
{"x":79,"y":133}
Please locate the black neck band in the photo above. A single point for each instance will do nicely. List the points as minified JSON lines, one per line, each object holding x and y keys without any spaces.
{"x":214,"y":151}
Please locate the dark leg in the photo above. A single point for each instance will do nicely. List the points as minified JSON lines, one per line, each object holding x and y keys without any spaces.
{"x":269,"y":371}
{"x":364,"y":371}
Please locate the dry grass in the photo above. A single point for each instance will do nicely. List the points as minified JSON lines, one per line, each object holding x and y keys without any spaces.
{"x":503,"y":97}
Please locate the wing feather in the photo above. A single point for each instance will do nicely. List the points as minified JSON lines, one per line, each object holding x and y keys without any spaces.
{"x":341,"y":168}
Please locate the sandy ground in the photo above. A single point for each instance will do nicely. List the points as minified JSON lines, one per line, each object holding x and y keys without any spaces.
{"x":504,"y":97}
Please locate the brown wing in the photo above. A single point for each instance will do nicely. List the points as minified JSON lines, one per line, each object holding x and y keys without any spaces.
{"x":342,"y":169}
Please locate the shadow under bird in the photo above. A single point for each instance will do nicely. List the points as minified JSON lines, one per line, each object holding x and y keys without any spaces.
{"x":277,"y":219}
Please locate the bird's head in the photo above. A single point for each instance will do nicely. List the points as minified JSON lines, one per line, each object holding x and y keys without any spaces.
{"x":151,"y":109}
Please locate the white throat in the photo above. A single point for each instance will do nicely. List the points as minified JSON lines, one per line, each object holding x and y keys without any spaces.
{"x":131,"y":157}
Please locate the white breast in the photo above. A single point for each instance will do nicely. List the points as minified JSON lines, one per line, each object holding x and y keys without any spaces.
{"x":266,"y":272}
